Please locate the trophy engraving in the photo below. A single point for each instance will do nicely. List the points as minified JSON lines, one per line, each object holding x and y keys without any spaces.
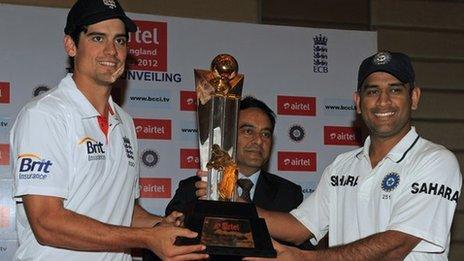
{"x":218,"y":96}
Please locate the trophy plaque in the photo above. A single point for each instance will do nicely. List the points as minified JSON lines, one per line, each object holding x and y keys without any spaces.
{"x":228,"y":228}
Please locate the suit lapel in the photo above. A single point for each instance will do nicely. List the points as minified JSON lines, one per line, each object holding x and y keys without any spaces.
{"x":264,"y":192}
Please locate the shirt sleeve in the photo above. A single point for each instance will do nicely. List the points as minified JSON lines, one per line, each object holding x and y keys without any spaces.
{"x":313,"y":212}
{"x":39,"y":154}
{"x":426,"y":206}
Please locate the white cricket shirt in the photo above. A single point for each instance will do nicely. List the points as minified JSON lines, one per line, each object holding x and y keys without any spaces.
{"x":414,"y":189}
{"x":58,"y":149}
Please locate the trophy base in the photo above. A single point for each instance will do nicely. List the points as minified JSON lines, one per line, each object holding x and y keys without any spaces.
{"x":230,"y":229}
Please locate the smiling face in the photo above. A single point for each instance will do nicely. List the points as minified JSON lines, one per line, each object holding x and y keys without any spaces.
{"x":254,"y":140}
{"x":101,"y":54}
{"x":385,"y":104}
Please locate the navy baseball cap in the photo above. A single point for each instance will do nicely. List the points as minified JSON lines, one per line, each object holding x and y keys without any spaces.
{"x":87,"y":12}
{"x":396,"y":64}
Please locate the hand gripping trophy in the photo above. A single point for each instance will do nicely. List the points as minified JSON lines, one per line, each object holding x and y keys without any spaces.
{"x":218,"y":96}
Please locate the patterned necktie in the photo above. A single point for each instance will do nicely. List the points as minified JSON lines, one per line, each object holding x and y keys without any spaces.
{"x":246,"y":186}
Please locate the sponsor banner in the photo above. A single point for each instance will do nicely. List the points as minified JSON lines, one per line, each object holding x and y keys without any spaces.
{"x":155,"y":187}
{"x":188,"y":101}
{"x":4,"y":154}
{"x":296,"y":161}
{"x":4,"y":92}
{"x":189,"y":158}
{"x":153,"y":129}
{"x":339,"y":135}
{"x":296,"y":105}
{"x":150,"y":99}
{"x":339,"y":107}
{"x":148,"y":47}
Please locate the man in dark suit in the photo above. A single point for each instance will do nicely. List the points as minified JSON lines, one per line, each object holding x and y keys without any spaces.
{"x":254,"y":141}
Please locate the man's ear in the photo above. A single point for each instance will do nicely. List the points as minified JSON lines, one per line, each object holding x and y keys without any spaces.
{"x":357,"y":102}
{"x":415,"y":97}
{"x":69,"y":46}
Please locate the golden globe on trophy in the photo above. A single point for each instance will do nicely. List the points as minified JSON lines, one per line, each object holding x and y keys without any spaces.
{"x":228,"y":228}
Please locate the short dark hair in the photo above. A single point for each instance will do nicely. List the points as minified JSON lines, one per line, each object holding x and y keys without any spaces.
{"x":251,"y":102}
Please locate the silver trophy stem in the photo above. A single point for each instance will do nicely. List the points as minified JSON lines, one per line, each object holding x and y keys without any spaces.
{"x":217,"y":124}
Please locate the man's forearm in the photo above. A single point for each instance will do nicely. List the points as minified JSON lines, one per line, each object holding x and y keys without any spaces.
{"x":142,"y":218}
{"x":70,"y":230}
{"x":284,"y":226}
{"x":388,"y":245}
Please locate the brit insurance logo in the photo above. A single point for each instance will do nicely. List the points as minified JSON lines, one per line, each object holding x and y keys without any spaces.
{"x":150,"y":158}
{"x":41,"y":89}
{"x":320,"y":54}
{"x":296,"y":105}
{"x":148,"y":47}
{"x":155,"y":187}
{"x":95,"y":149}
{"x":390,"y":181}
{"x":340,"y":135}
{"x":296,"y":161}
{"x":189,"y":159}
{"x":153,"y":129}
{"x":32,"y":166}
{"x":296,"y":133}
{"x":188,"y":101}
{"x":4,"y":154}
{"x":4,"y":92}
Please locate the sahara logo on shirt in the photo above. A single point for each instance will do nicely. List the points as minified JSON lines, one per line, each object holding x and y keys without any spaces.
{"x":32,"y":166}
{"x":94,"y":149}
{"x":349,"y":180}
{"x":436,"y":190}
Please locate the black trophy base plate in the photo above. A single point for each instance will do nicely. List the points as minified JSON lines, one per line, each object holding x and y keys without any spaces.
{"x":230,"y":229}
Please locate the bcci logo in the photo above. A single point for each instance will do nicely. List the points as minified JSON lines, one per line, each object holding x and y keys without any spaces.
{"x":381,"y":58}
{"x":110,"y":3}
{"x":390,"y":182}
{"x":296,"y":133}
{"x":320,"y":56}
{"x":150,"y":158}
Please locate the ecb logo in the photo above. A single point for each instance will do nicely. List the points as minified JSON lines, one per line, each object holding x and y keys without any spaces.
{"x":320,"y":56}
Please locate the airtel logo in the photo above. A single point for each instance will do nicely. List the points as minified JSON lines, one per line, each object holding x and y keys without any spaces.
{"x":153,"y":129}
{"x":296,"y":161}
{"x":155,"y":187}
{"x":188,"y":101}
{"x":341,"y":135}
{"x":296,"y":105}
{"x":189,"y":159}
{"x":145,"y":36}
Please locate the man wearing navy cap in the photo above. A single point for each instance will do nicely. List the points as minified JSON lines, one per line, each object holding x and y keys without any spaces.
{"x":75,"y":159}
{"x":392,"y":199}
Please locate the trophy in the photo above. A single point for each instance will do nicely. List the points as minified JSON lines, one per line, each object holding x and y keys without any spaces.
{"x":218,"y":97}
{"x":229,"y":229}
